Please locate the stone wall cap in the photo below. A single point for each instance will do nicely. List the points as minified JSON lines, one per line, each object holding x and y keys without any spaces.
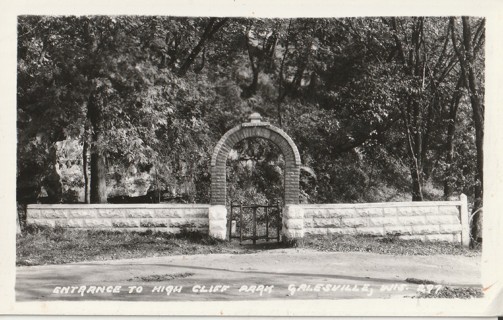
{"x":119,"y":206}
{"x":255,"y":124}
{"x":381,"y":204}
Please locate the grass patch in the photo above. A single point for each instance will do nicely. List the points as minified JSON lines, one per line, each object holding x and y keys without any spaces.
{"x":454,"y":293}
{"x":383,"y":245}
{"x":162,"y":277}
{"x":39,"y":246}
{"x":419,"y":281}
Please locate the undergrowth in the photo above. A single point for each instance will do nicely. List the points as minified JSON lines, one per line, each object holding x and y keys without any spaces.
{"x":38,"y":246}
{"x":384,"y":245}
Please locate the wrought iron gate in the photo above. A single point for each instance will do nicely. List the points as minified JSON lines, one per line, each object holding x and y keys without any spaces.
{"x":255,"y":222}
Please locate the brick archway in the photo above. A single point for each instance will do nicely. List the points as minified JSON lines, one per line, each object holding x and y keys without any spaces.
{"x":259,"y":129}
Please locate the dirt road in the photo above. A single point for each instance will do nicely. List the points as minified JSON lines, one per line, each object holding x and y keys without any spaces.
{"x":272,"y":274}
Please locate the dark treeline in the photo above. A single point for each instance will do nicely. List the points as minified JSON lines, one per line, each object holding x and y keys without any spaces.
{"x":381,"y":109}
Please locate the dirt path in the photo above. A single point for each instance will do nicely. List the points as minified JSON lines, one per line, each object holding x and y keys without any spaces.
{"x":273,"y":274}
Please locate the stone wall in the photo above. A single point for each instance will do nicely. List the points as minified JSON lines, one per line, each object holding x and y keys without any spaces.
{"x":437,"y":221}
{"x":159,"y":217}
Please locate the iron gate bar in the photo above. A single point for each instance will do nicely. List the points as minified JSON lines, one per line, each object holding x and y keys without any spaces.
{"x":255,"y":225}
{"x":266,"y":225}
{"x":254,"y":207}
{"x":241,"y":223}
{"x":278,"y":225}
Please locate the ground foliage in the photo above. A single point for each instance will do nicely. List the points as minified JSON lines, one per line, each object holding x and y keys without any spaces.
{"x":454,"y":293}
{"x":381,"y":109}
{"x":383,"y":245}
{"x":39,"y":246}
{"x":162,"y":277}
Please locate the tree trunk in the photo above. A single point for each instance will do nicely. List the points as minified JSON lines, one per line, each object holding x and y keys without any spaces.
{"x":98,"y":177}
{"x":451,"y":129}
{"x":52,"y":181}
{"x":478,"y":119}
{"x":210,"y":30}
{"x":250,"y":90}
{"x":476,"y":227}
{"x":85,"y":170}
{"x":417,"y":190}
{"x":467,"y":60}
{"x":98,"y":160}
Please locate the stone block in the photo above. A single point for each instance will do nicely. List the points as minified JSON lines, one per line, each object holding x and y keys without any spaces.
{"x":375,"y":231}
{"x":449,"y":210}
{"x":405,"y":230}
{"x":315,"y":231}
{"x":199,"y":213}
{"x":125,"y":223}
{"x":440,"y":237}
{"x":308,"y":223}
{"x":420,"y":237}
{"x":76,"y":213}
{"x":33,"y":213}
{"x":328,"y":213}
{"x":370,"y":212}
{"x":154,"y":223}
{"x":218,"y":234}
{"x":53,"y":213}
{"x":51,"y":223}
{"x":412,"y":220}
{"x":168,"y":213}
{"x":188,"y":222}
{"x":293,"y":234}
{"x":297,"y":224}
{"x":426,"y":229}
{"x":442,"y":219}
{"x":96,"y":223}
{"x":146,"y":213}
{"x":457,"y":238}
{"x":383,"y":221}
{"x":217,"y":225}
{"x":450,"y":228}
{"x":218,"y":212}
{"x":116,"y":213}
{"x":169,"y":230}
{"x":312,"y":213}
{"x":349,"y":231}
{"x":417,"y":211}
{"x":71,"y":223}
{"x":293,"y":212}
{"x":388,"y":212}
{"x":327,"y":223}
{"x":131,"y":213}
{"x":355,"y":222}
{"x":341,"y":212}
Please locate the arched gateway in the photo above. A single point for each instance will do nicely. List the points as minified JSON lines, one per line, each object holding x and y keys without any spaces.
{"x":259,"y":129}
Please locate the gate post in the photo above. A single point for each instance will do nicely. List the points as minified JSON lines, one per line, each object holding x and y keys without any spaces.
{"x":293,"y":222}
{"x":218,"y":221}
{"x":465,"y":221}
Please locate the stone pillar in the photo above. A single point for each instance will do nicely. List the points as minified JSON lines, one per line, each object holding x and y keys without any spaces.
{"x":465,"y":221}
{"x":218,"y":222}
{"x":293,"y":222}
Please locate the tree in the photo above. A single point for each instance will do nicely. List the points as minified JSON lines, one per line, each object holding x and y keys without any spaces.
{"x":95,"y":77}
{"x":469,"y":49}
{"x":377,"y":106}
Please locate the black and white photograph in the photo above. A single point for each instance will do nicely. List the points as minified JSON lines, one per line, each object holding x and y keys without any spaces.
{"x":252,"y":163}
